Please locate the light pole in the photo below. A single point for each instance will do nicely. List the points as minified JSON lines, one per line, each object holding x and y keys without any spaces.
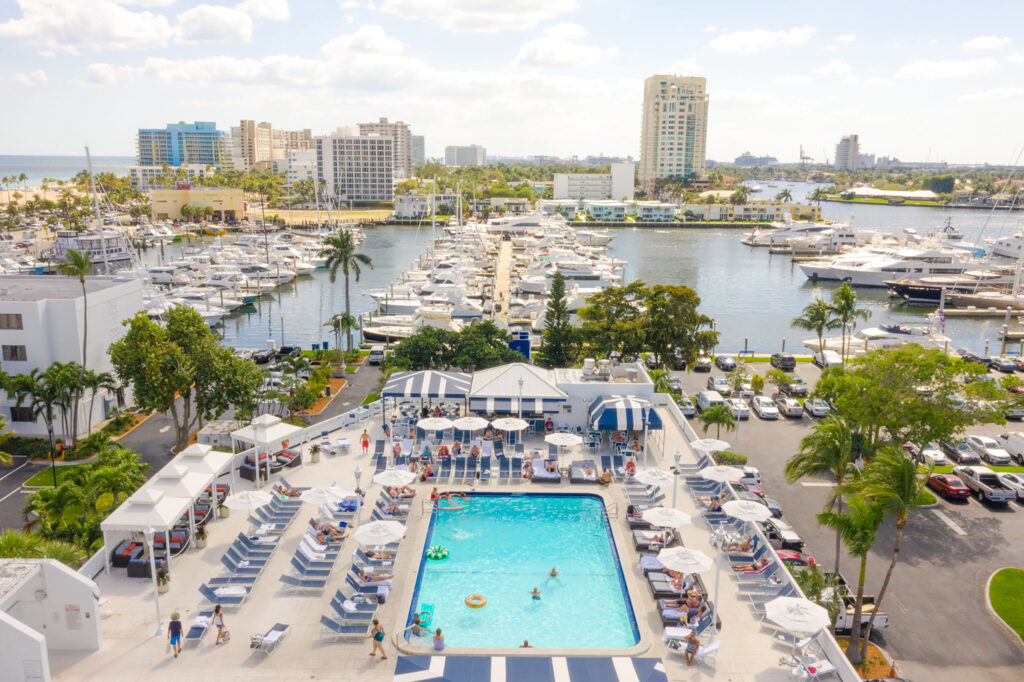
{"x":675,"y":476}
{"x":359,"y":474}
{"x":520,"y":397}
{"x":149,"y":533}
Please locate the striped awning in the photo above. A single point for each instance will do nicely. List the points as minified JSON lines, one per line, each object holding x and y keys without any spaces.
{"x":534,"y":669}
{"x":622,"y":413}
{"x":427,"y":384}
{"x":511,"y":405}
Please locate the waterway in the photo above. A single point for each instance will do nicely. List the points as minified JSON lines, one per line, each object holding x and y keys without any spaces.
{"x":752,"y":294}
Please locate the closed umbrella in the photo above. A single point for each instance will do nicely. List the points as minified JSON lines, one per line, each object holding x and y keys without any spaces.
{"x":379,"y":533}
{"x":722,"y":474}
{"x":664,"y":517}
{"x":325,"y":495}
{"x":797,"y":614}
{"x":435,"y":424}
{"x":747,"y":510}
{"x":470,"y":423}
{"x":247,"y":499}
{"x":394,"y":477}
{"x":656,"y":477}
{"x":710,"y":445}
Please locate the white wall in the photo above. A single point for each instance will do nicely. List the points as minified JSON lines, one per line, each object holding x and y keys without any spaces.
{"x":68,"y":615}
{"x":22,"y":652}
{"x":622,"y":181}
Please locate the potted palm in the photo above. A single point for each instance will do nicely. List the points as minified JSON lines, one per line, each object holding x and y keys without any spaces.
{"x":314,"y":452}
{"x":201,"y":537}
{"x":163,"y":583}
{"x":223,"y":511}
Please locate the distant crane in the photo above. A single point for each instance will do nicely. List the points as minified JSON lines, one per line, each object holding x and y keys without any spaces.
{"x":804,"y":157}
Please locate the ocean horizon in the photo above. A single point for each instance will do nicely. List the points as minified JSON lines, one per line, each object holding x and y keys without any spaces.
{"x":59,"y":167}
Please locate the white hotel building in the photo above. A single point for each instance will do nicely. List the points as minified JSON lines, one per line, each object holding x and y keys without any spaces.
{"x":673,"y":140}
{"x":42,"y":321}
{"x":356,"y":167}
{"x":617,"y":185}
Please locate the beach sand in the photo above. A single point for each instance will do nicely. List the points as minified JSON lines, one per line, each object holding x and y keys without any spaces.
{"x":51,"y":194}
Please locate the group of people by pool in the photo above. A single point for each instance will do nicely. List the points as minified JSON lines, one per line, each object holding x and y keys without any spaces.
{"x":447,"y":498}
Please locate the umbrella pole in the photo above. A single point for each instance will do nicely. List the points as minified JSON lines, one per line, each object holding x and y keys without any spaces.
{"x":718,"y":576}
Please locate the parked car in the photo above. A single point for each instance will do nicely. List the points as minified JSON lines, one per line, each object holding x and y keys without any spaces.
{"x":1014,"y":482}
{"x":1014,"y":412}
{"x":288,"y":352}
{"x":928,"y":454}
{"x":1001,"y":364}
{"x":971,"y":356}
{"x":726,"y":363}
{"x":739,"y":486}
{"x":744,"y":387}
{"x":1013,"y":443}
{"x":738,"y":407}
{"x":675,"y":387}
{"x":686,"y":406}
{"x":827,"y":358}
{"x":773,"y":506}
{"x":816,"y":407}
{"x":789,"y":407}
{"x":720,"y":384}
{"x":764,"y":407}
{"x":783,"y":361}
{"x":960,"y":452}
{"x":844,"y":620}
{"x":377,"y":355}
{"x":795,"y":387}
{"x":795,"y":559}
{"x":702,"y":364}
{"x":985,"y":484}
{"x":949,"y":486}
{"x":262,"y":357}
{"x":750,"y":474}
{"x":706,"y":399}
{"x":989,"y":450}
{"x":781,"y":535}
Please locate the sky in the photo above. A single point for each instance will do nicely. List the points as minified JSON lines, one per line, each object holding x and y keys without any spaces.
{"x":935,"y":82}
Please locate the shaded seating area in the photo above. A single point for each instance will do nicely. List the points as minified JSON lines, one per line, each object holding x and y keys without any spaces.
{"x":270,"y":437}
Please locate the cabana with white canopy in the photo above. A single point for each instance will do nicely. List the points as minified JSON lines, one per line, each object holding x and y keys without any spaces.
{"x":202,"y":457}
{"x":145,"y":509}
{"x":517,"y":388}
{"x":429,"y":384}
{"x":623,"y":413}
{"x":268,"y":435}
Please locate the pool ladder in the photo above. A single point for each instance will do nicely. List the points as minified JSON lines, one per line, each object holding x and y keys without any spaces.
{"x":612,"y":510}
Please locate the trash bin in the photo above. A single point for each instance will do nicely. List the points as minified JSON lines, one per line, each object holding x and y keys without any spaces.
{"x":327,"y":390}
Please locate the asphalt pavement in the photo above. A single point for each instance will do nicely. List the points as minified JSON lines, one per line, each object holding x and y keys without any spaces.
{"x":940,"y":629}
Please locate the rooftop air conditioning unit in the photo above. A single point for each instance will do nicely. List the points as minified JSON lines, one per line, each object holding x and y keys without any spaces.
{"x":589,"y":365}
{"x":603,"y":367}
{"x":631,"y":375}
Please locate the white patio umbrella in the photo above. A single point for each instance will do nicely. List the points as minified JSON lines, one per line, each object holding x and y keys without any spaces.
{"x":710,"y":445}
{"x":379,"y":533}
{"x":326,"y":494}
{"x":563,"y":440}
{"x":685,"y":560}
{"x":247,"y":499}
{"x":435,"y":424}
{"x":664,"y":517}
{"x":797,"y":614}
{"x":394,"y":477}
{"x":722,"y":474}
{"x":747,"y":510}
{"x":509,"y":424}
{"x":470,"y":423}
{"x":656,"y":477}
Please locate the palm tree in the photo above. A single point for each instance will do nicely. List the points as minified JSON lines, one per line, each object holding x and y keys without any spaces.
{"x":660,"y":379}
{"x":822,"y":588}
{"x":858,"y":528}
{"x":817,"y":317}
{"x":717,"y":416}
{"x":16,"y":544}
{"x":96,"y":382}
{"x":42,"y":398}
{"x":893,"y":483}
{"x":79,"y":266}
{"x":116,"y":481}
{"x":335,"y":324}
{"x":784,"y":195}
{"x":827,"y":449}
{"x":341,"y":253}
{"x":844,"y":307}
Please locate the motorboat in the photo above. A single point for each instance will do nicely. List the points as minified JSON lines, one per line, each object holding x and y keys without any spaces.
{"x":929,"y":289}
{"x":778,"y":233}
{"x":875,"y":269}
{"x":885,"y":336}
{"x":164,"y":274}
{"x":1011,"y":246}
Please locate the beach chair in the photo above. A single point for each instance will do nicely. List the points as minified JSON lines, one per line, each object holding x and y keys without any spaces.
{"x":348,"y":612}
{"x":401,"y":461}
{"x":284,"y":481}
{"x":606,"y":464}
{"x":232,"y":579}
{"x":487,"y":448}
{"x":705,"y":652}
{"x":233,"y":595}
{"x":351,"y":633}
{"x":299,"y":584}
{"x":504,"y":470}
{"x":252,"y":548}
{"x":359,"y":588}
{"x":444,"y":469}
{"x":516,"y":468}
{"x":381,"y":465}
{"x":378,"y":448}
{"x":267,"y":643}
{"x":360,"y":557}
{"x":499,"y":447}
{"x":459,"y":473}
{"x":236,"y":566}
{"x":304,"y":570}
{"x":200,"y":626}
{"x":485,"y":468}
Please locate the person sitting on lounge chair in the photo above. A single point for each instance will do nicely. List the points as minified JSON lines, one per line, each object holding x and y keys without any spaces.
{"x":630,"y":466}
{"x":605,"y":478}
{"x":737,"y":546}
{"x":714,"y":503}
{"x":396,"y":450}
{"x":330,"y":531}
{"x":442,"y":451}
{"x":326,"y":538}
{"x":549,"y":467}
{"x":757,"y":565}
{"x":389,"y":508}
{"x":403,"y":492}
{"x":549,"y":426}
{"x":414,"y":466}
{"x":426,"y":452}
{"x":474,"y":451}
{"x":527,"y":469}
{"x":428,"y":471}
{"x":659,"y":538}
{"x":618,"y":437}
{"x":379,"y":556}
{"x":488,"y":434}
{"x":287,"y":492}
{"x":457,"y":448}
{"x":370,"y":577}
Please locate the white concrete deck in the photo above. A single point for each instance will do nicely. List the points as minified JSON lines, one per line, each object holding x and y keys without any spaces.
{"x":132,"y":650}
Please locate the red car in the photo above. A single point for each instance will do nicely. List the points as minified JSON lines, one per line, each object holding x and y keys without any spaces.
{"x":949,"y":486}
{"x":794,"y":558}
{"x":749,"y":487}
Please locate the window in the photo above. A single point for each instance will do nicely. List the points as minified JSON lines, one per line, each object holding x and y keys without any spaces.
{"x":14,"y":353}
{"x":10,"y":321}
{"x":21,"y":414}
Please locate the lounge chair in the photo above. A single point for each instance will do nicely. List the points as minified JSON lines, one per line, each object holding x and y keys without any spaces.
{"x":236,"y":566}
{"x":358,"y":601}
{"x":200,"y":626}
{"x":233,"y":579}
{"x":499,"y":447}
{"x":359,"y":557}
{"x":643,"y":539}
{"x":378,"y":515}
{"x":266,"y":644}
{"x":541,"y":475}
{"x":255,"y":559}
{"x":578,"y":471}
{"x":316,"y":584}
{"x":306,"y":570}
{"x":459,"y":473}
{"x":251,"y":548}
{"x":378,"y":448}
{"x":350,"y":633}
{"x":349,"y":612}
{"x":233,"y":595}
{"x":485,"y":468}
{"x":488,"y":448}
{"x":504,"y":470}
{"x":705,"y":652}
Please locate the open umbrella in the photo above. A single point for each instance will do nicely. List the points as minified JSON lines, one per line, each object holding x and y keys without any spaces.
{"x":325,"y":495}
{"x":685,"y":560}
{"x":722,"y":474}
{"x":435,"y":424}
{"x":247,"y":499}
{"x":656,"y":477}
{"x":710,"y":445}
{"x":563,"y":440}
{"x":664,"y":517}
{"x":470,"y":423}
{"x":394,"y":477}
{"x":797,"y":614}
{"x":747,"y":510}
{"x":509,"y":424}
{"x":379,"y":533}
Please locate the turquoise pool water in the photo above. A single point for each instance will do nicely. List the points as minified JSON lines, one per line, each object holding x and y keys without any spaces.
{"x":502,"y":546}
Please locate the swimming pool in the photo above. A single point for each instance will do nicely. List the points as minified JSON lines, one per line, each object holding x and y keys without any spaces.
{"x":504,"y":545}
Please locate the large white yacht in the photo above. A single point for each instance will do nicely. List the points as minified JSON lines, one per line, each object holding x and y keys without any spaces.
{"x":886,"y":336}
{"x":779,"y":233}
{"x":874,"y":267}
{"x":1011,"y":246}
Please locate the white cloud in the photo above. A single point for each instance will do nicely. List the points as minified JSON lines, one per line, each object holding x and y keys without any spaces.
{"x":348,"y":4}
{"x":109,"y":74}
{"x":215,"y":24}
{"x":1016,"y":59}
{"x":275,"y":10}
{"x":879,"y":82}
{"x":986,"y":43}
{"x":836,"y":67}
{"x":369,"y":39}
{"x":682,"y":67}
{"x":31,"y":78}
{"x":792,"y":80}
{"x":567,"y":31}
{"x":749,"y":42}
{"x":349,"y":19}
{"x":70,"y":26}
{"x":146,"y":3}
{"x":927,"y":69}
{"x":558,"y":48}
{"x":481,"y":16}
{"x":711,"y":29}
{"x":994,"y":94}
{"x":845,"y":38}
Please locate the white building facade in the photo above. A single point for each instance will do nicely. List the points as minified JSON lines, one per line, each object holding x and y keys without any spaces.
{"x":42,"y":321}
{"x":673,"y":140}
{"x":419,"y":150}
{"x":618,"y":184}
{"x":847,"y":153}
{"x":356,"y":167}
{"x":401,"y":143}
{"x":465,"y":155}
{"x":419,"y":206}
{"x":300,"y":164}
{"x":141,"y":177}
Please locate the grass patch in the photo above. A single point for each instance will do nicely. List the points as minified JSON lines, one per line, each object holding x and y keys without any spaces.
{"x":351,"y":368}
{"x":1007,"y":594}
{"x":45,"y":477}
{"x":948,"y":469}
{"x":767,"y":358}
{"x":370,"y":398}
{"x":926,"y":498}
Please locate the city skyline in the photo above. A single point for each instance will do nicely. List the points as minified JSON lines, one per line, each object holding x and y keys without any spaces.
{"x":517,"y":76}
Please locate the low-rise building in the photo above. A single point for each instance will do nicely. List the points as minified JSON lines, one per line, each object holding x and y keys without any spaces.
{"x":465,"y":155}
{"x":651,"y":211}
{"x":565,"y":208}
{"x":228,"y":203}
{"x":609,"y":209}
{"x":617,"y":184}
{"x":142,"y":177}
{"x":419,"y":206}
{"x":509,"y":205}
{"x":760,"y":212}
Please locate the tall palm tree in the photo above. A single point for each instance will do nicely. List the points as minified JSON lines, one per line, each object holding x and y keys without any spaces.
{"x":892,"y":482}
{"x":42,"y":397}
{"x":79,"y":266}
{"x":660,"y":379}
{"x":817,"y":317}
{"x":116,"y":481}
{"x":784,"y":195}
{"x":844,"y":306}
{"x":341,"y":253}
{"x":858,"y":528}
{"x":96,"y":382}
{"x":827,"y":449}
{"x":717,"y":416}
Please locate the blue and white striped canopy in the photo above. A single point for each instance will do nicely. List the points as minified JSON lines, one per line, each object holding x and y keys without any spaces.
{"x":622,"y":413}
{"x":534,"y":669}
{"x":511,"y":405}
{"x":427,"y":384}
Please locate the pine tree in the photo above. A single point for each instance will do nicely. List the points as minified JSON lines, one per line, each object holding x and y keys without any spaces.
{"x":560,"y":337}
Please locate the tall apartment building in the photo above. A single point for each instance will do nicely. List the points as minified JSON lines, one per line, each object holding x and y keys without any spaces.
{"x":254,"y":146}
{"x":419,"y":150}
{"x":286,"y":140}
{"x":673,"y":141}
{"x":618,"y":184}
{"x":401,"y":140}
{"x":178,"y":143}
{"x":465,"y":155}
{"x":300,"y":165}
{"x":847,"y":153}
{"x":356,"y":167}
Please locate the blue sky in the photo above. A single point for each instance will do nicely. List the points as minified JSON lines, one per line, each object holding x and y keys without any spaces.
{"x":943,"y":81}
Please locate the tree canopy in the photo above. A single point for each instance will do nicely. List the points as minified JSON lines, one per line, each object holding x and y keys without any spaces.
{"x":560,"y":337}
{"x":477,"y":346}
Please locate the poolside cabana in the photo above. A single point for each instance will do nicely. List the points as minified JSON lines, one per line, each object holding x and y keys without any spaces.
{"x":623,"y":413}
{"x":517,"y":388}
{"x":146,"y":508}
{"x":426,"y":385}
{"x":268,"y":434}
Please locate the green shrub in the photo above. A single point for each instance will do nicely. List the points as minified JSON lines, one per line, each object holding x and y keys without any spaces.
{"x":727,"y":458}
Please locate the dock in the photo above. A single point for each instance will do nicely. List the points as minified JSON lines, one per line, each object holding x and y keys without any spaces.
{"x":972,"y":311}
{"x":502,"y":276}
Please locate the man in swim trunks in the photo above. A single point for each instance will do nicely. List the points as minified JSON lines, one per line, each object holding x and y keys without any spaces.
{"x":553,"y":573}
{"x":535,"y":593}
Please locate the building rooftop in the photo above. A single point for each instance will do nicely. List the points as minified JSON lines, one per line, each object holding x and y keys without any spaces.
{"x":13,"y":572}
{"x":36,"y":288}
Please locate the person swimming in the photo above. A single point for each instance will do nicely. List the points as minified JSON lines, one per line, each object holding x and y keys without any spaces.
{"x":553,"y":573}
{"x":535,"y":593}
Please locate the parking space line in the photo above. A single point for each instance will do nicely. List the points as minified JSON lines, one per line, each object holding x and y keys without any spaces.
{"x":949,"y":522}
{"x":16,"y":490}
{"x":25,"y":464}
{"x":817,"y":484}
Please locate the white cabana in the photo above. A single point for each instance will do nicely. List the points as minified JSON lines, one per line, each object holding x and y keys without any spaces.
{"x":499,"y":389}
{"x":144,"y":509}
{"x":268,"y":434}
{"x":203,"y":458}
{"x":177,"y":480}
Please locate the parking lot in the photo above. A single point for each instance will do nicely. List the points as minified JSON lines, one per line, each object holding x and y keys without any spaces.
{"x":940,"y":628}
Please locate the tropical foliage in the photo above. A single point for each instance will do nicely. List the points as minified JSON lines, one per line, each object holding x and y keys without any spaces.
{"x":717,"y":416}
{"x":341,"y":253}
{"x":17,"y":544}
{"x":477,"y":346}
{"x":561,"y":339}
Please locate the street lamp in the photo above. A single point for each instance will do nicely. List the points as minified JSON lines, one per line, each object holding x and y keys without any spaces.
{"x":359,"y":473}
{"x":148,"y":534}
{"x":520,"y":397}
{"x":675,"y":476}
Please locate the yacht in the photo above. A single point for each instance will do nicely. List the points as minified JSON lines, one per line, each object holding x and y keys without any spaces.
{"x":93,"y":243}
{"x":875,"y":269}
{"x":779,"y":233}
{"x":929,"y":289}
{"x":1010,"y":247}
{"x":165,"y":274}
{"x":886,"y":336}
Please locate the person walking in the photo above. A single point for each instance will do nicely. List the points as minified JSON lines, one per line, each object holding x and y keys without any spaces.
{"x":365,"y":440}
{"x":218,"y":622}
{"x":174,"y":633}
{"x":377,"y":635}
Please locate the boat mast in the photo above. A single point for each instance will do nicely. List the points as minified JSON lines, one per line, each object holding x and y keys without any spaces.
{"x":96,"y":208}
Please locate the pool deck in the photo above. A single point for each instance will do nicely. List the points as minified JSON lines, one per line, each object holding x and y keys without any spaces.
{"x":132,"y":649}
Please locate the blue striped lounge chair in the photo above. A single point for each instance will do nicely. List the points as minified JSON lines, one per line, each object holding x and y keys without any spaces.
{"x":357,"y":587}
{"x":504,"y":469}
{"x":225,"y":598}
{"x":350,"y":633}
{"x":444,"y":469}
{"x":378,"y":448}
{"x":382,"y":464}
{"x":459,"y":473}
{"x":199,"y":627}
{"x":485,"y":468}
{"x":304,"y":570}
{"x":296,"y":583}
{"x":360,"y":557}
{"x":349,"y":612}
{"x":284,"y":481}
{"x":232,"y":579}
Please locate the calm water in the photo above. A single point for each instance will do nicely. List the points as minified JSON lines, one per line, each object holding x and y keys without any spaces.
{"x":751,"y":294}
{"x":502,"y":546}
{"x":61,"y":167}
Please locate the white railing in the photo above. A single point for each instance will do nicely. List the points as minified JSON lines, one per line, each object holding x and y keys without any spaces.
{"x":94,"y":565}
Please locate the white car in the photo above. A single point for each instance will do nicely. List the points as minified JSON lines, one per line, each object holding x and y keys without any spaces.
{"x":989,"y":450}
{"x":720,"y":384}
{"x":790,"y":407}
{"x":685,"y":405}
{"x":765,"y":408}
{"x":816,"y":407}
{"x":1014,"y":482}
{"x":739,"y":408}
{"x":751,"y":475}
{"x":744,"y":387}
{"x":931,"y":455}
